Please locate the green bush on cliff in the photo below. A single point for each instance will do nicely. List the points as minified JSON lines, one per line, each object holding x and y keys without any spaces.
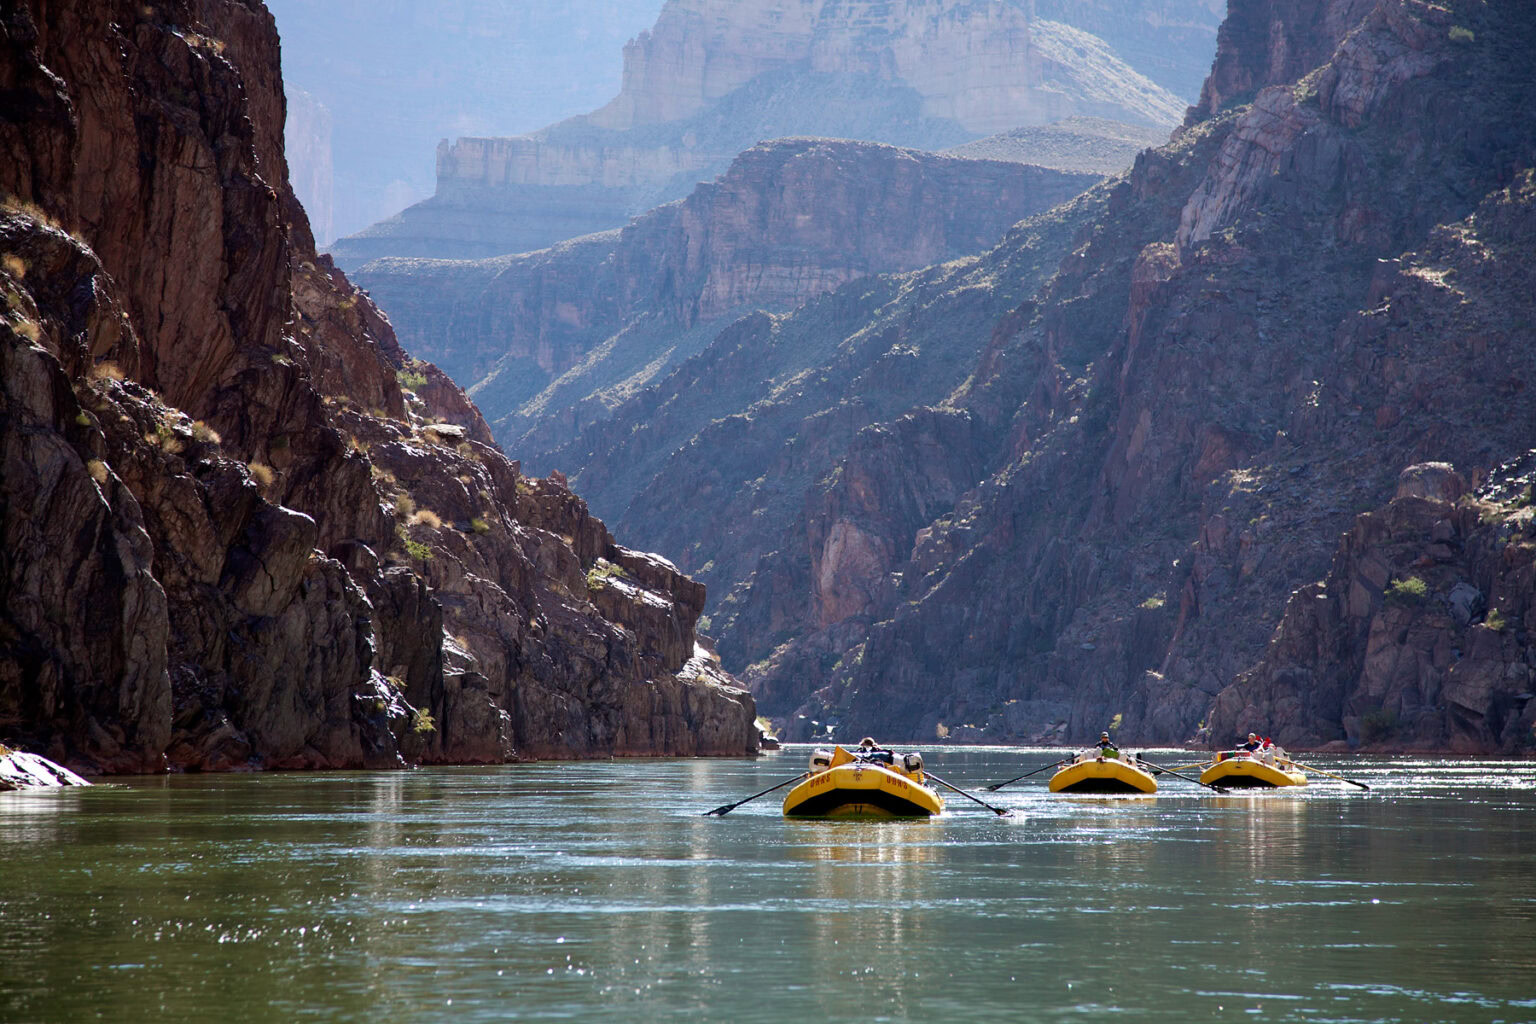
{"x":601,"y":572}
{"x":1405,"y":593}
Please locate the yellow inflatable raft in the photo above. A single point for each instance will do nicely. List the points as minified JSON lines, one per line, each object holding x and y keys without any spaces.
{"x":1245,"y":771}
{"x":1091,"y":774}
{"x":844,"y":786}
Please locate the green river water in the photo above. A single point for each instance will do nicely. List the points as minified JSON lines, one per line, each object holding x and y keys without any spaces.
{"x":597,"y":892}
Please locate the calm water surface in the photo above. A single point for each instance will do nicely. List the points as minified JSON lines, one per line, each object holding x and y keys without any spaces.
{"x":597,"y":892}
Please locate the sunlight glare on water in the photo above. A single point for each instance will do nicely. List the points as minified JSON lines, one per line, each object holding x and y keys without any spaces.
{"x":598,"y":891}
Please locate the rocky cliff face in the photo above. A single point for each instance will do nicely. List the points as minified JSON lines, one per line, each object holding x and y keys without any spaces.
{"x":556,"y":337}
{"x":710,"y":80}
{"x":1234,"y":352}
{"x":232,"y":539}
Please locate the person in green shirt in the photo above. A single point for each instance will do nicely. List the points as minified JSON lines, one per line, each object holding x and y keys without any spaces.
{"x":1107,"y":746}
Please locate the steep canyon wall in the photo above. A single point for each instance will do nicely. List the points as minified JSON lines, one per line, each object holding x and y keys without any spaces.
{"x":242,"y":528}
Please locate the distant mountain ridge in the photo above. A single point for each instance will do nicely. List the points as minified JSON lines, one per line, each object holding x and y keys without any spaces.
{"x":549,"y":341}
{"x":711,"y":79}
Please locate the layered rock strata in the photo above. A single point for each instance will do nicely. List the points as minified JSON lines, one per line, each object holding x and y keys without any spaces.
{"x":242,"y":529}
{"x":710,"y":80}
{"x":1156,"y":440}
{"x":553,"y":339}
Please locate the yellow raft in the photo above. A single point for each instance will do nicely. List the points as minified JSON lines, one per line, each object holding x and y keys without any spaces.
{"x":1244,"y":771}
{"x":1102,"y":775}
{"x":844,"y":786}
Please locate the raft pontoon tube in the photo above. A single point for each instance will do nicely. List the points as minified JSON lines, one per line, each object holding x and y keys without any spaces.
{"x":844,"y":786}
{"x":1243,"y":770}
{"x":1102,"y":775}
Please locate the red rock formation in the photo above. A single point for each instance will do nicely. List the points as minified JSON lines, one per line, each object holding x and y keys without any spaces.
{"x":210,"y":557}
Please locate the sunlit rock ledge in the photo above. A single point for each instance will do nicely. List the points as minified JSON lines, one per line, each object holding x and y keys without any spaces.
{"x":20,"y":770}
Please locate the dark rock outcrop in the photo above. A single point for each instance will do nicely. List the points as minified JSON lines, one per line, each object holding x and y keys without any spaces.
{"x":218,"y":548}
{"x":1418,"y":638}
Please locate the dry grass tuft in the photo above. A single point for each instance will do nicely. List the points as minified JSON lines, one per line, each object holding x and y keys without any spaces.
{"x":14,"y":265}
{"x":98,"y":471}
{"x":426,"y":517}
{"x":261,"y":473}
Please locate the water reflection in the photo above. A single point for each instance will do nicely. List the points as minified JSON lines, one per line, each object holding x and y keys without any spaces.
{"x":599,"y":892}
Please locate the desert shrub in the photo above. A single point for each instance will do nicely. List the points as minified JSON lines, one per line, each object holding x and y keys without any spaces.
{"x":405,"y":506}
{"x":479,"y":525}
{"x":426,"y":517}
{"x":1407,"y":592}
{"x":98,"y":471}
{"x":1462,"y":34}
{"x":1495,"y":621}
{"x":106,"y":371}
{"x":206,"y":434}
{"x":261,"y":473}
{"x":422,"y":721}
{"x":14,"y":265}
{"x":601,"y":572}
{"x":411,"y":379}
{"x":418,"y":550}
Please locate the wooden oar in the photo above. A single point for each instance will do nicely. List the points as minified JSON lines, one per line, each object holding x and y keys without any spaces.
{"x":1001,"y":812}
{"x":1341,"y":778}
{"x":999,"y":785}
{"x":725,"y":809}
{"x":1186,"y":778}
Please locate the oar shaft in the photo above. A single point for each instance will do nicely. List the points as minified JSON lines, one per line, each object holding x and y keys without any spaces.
{"x":999,"y":785}
{"x":1186,"y":778}
{"x":999,"y":811}
{"x":725,"y":809}
{"x":1341,"y":778}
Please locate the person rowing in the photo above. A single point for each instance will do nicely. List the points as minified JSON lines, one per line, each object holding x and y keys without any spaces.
{"x":873,"y":753}
{"x":1107,"y":747}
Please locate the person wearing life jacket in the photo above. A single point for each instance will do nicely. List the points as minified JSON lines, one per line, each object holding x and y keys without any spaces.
{"x":869,"y":751}
{"x":1107,"y":746}
{"x":1254,"y":743}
